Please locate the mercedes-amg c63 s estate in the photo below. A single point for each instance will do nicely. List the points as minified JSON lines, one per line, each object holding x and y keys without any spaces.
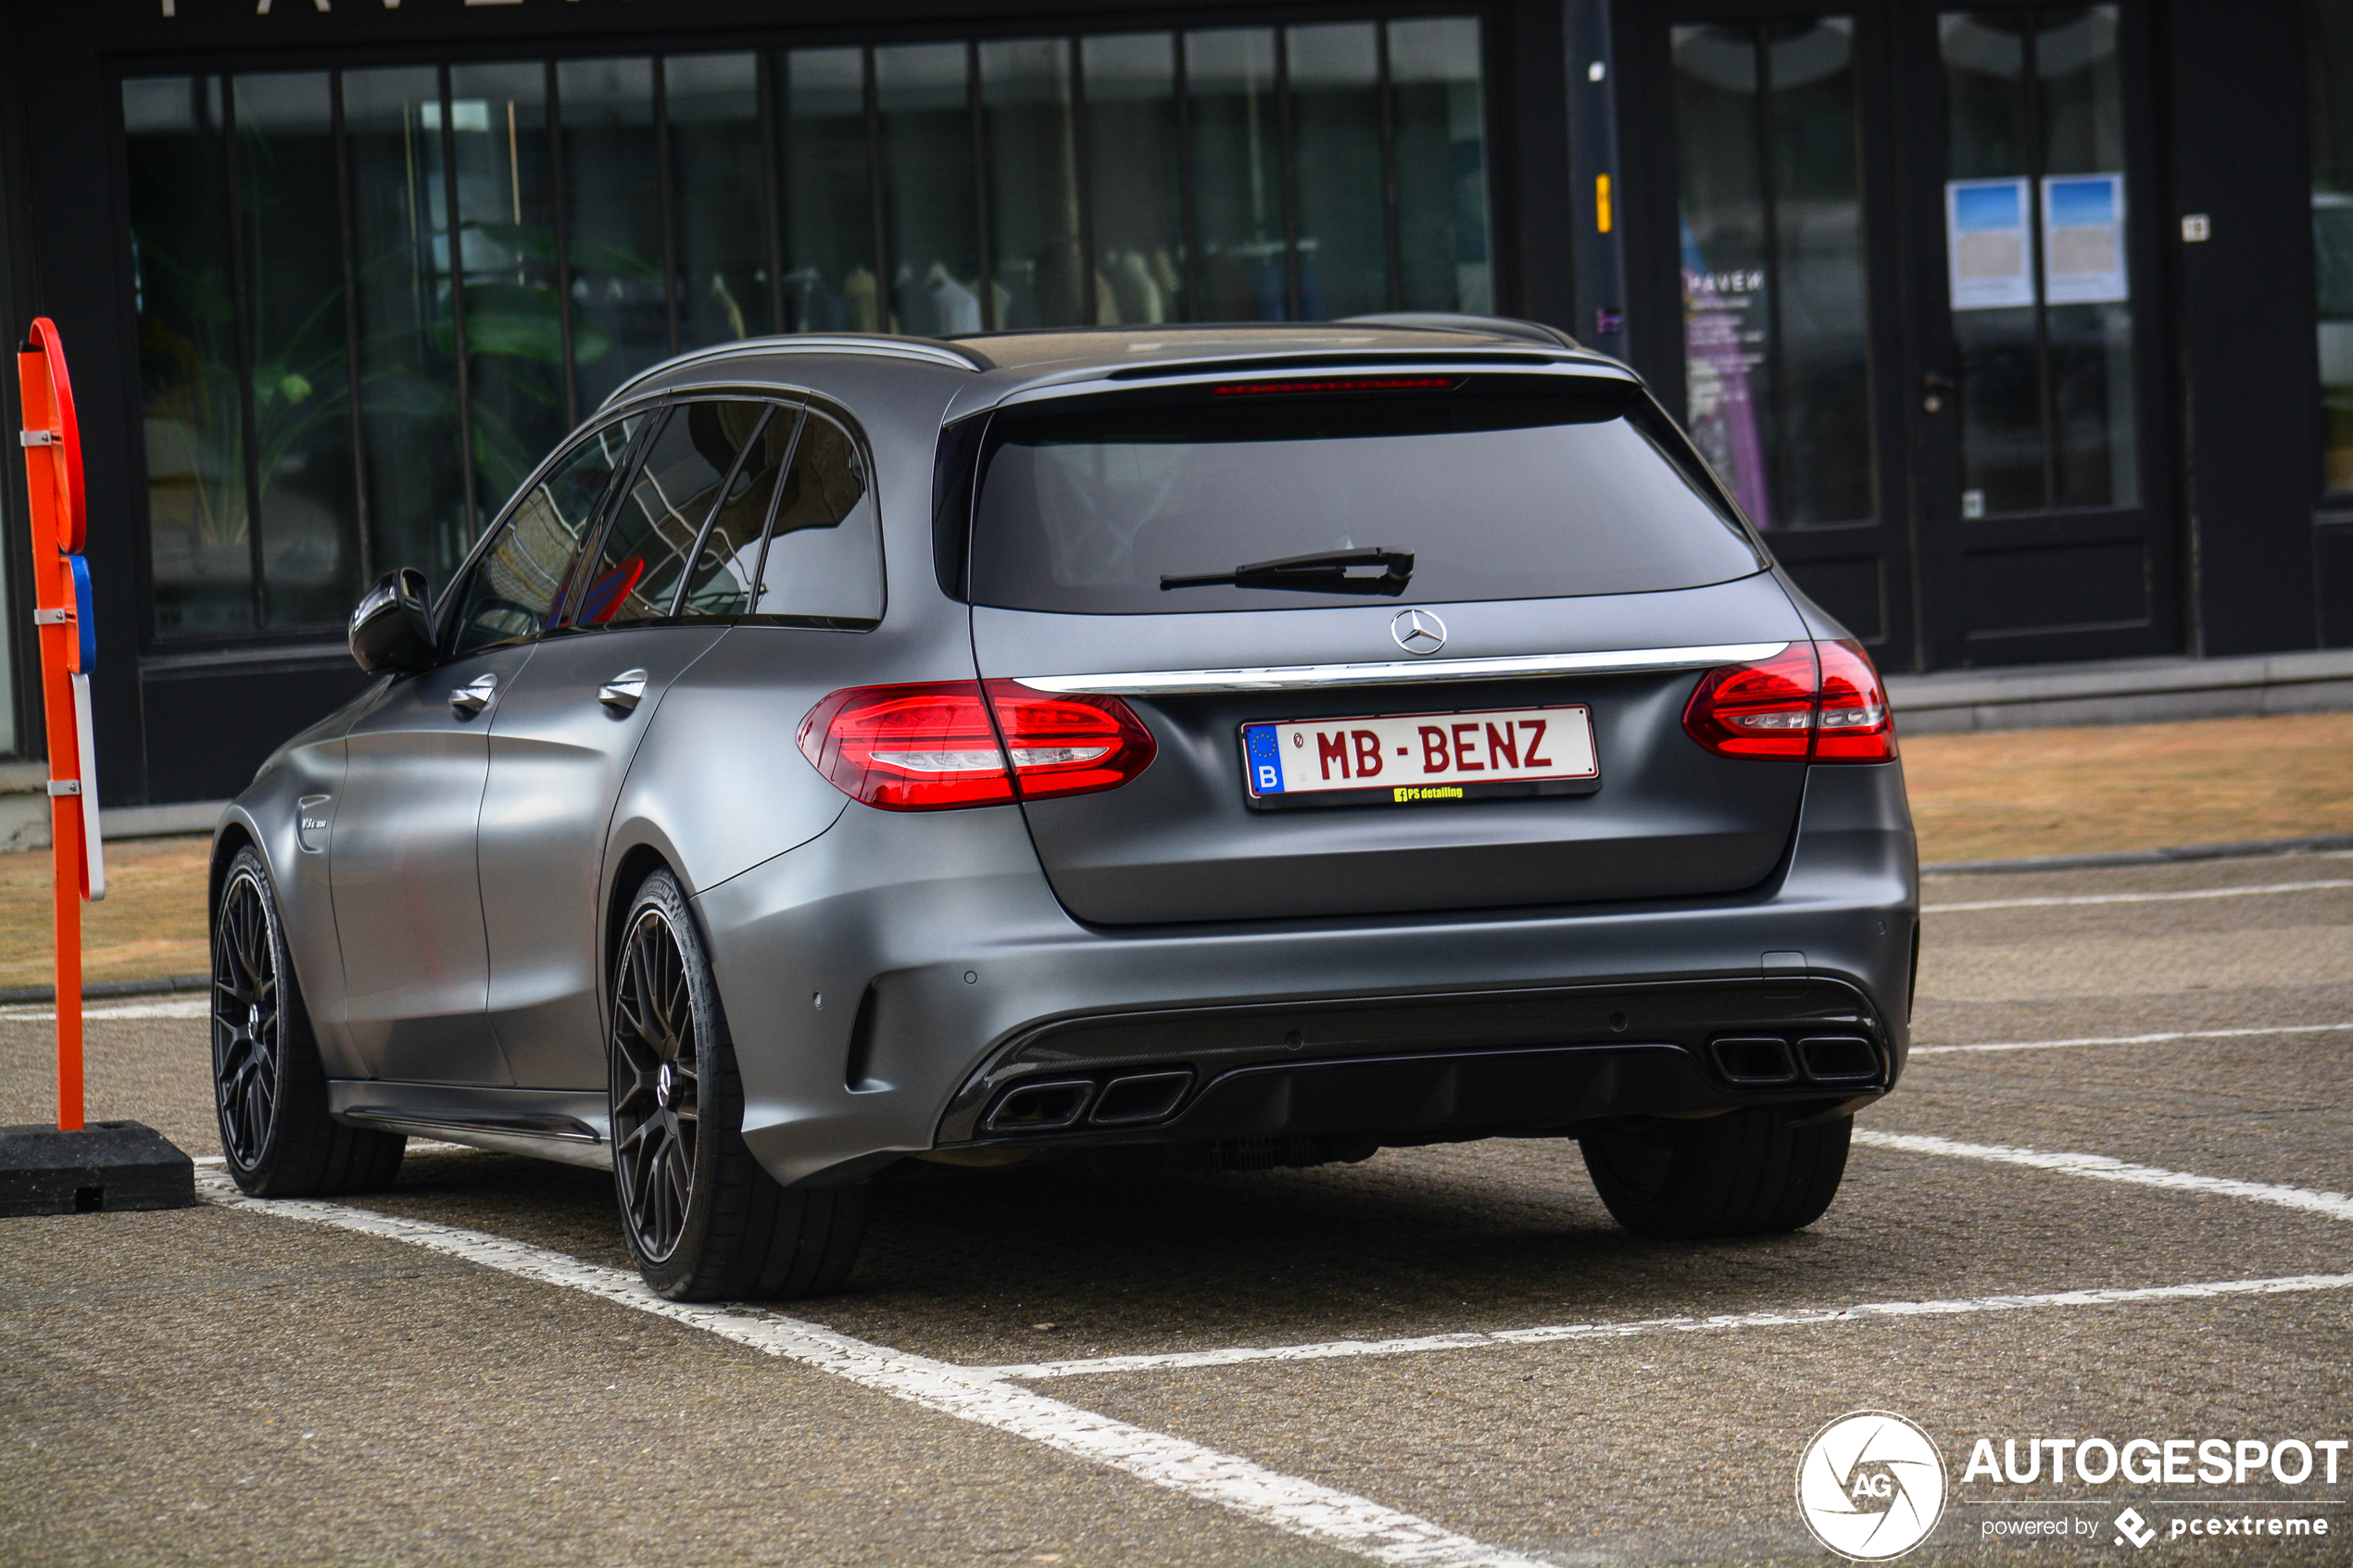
{"x":1238,"y":746}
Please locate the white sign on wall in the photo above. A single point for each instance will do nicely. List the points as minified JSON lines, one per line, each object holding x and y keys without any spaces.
{"x":1985,"y":237}
{"x":2083,"y":239}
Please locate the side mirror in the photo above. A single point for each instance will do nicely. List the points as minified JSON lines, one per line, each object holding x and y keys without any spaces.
{"x":392,"y":627}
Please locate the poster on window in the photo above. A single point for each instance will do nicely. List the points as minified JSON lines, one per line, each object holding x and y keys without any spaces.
{"x":2083,"y":239}
{"x":1985,"y":234}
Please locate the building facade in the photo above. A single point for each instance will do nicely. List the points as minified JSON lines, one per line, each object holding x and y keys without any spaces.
{"x":2026,"y":332}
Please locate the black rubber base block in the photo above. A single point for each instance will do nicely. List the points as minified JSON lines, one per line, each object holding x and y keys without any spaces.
{"x":105,"y":1165}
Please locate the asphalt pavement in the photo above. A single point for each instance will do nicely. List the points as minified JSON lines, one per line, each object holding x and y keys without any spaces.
{"x":2122,"y":1218}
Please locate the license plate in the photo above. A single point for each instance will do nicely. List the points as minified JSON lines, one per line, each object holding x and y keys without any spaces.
{"x":1420,"y":758}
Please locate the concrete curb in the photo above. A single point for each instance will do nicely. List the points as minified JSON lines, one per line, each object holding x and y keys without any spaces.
{"x":2244,"y":849}
{"x":2123,"y":691}
{"x":94,"y":990}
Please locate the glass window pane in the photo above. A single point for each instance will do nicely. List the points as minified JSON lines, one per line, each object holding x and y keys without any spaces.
{"x":1727,"y":310}
{"x":2331,"y":31}
{"x":1238,"y":179}
{"x":188,"y":395}
{"x":829,"y":213}
{"x":1440,"y":116}
{"x":407,"y":383}
{"x":719,"y":182}
{"x":1032,"y":183}
{"x":729,"y":559}
{"x":825,"y":552}
{"x":518,"y":586}
{"x":1132,"y":176}
{"x":1336,"y":156}
{"x":612,"y":206}
{"x":1825,"y":462}
{"x":2095,"y":454}
{"x":644,"y":552}
{"x":1988,"y":138}
{"x":925,"y":112}
{"x":301,"y":386}
{"x":506,"y":228}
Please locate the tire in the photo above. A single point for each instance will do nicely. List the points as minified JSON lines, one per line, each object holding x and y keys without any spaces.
{"x":1747,"y":1172}
{"x":270,"y":1090}
{"x":704,"y":1222}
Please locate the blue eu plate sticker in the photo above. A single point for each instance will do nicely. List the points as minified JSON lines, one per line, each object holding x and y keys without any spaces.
{"x":1265,"y":748}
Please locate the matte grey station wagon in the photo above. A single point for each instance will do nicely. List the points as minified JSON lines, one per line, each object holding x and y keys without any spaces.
{"x":1231,"y":746}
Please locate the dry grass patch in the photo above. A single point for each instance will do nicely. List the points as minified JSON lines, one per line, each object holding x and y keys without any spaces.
{"x":150,"y":924}
{"x":2129,"y":787}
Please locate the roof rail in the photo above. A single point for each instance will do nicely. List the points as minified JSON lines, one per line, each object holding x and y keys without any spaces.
{"x":1449,"y":321}
{"x":929,"y":350}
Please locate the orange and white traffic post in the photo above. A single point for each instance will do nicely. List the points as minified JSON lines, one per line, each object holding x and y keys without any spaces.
{"x":52,"y":443}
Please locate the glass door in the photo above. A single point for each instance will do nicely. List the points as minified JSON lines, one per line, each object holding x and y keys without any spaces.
{"x":1788,"y":321}
{"x":2043,"y":532}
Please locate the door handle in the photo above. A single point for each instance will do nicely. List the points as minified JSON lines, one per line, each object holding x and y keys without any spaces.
{"x":625,"y":691}
{"x":474,"y":697}
{"x":1937,"y":387}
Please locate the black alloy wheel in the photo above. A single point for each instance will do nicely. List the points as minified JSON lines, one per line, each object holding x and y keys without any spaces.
{"x":657,"y":1106}
{"x":705,"y":1221}
{"x":268,"y":1086}
{"x":246,"y":1038}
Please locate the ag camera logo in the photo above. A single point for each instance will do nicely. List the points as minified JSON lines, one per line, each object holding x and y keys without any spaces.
{"x":1870,"y":1486}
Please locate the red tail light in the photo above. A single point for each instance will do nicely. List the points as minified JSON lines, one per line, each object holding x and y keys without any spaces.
{"x":934,"y":746}
{"x":1817,"y":700}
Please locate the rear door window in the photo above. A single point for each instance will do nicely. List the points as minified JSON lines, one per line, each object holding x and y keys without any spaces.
{"x":642,"y":557}
{"x":728,"y":562}
{"x":517,"y":589}
{"x":1500,"y":488}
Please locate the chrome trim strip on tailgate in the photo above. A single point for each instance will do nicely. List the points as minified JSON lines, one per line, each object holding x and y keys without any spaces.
{"x":1151,"y":683}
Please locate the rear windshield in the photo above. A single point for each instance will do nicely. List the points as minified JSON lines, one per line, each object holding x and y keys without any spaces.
{"x":1499,"y":493}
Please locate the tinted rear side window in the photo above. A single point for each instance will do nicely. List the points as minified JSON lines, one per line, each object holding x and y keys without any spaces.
{"x":1500,"y":494}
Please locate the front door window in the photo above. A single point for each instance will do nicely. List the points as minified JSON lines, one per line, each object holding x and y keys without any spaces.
{"x":2041,"y":294}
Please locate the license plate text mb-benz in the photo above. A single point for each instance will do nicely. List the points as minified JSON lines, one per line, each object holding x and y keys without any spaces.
{"x":1419,"y":758}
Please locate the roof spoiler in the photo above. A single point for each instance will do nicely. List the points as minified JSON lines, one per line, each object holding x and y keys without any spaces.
{"x":1448,"y":321}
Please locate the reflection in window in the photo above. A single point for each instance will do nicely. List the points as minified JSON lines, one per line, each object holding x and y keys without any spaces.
{"x":925,"y":114}
{"x":2331,"y":31}
{"x":518,"y":586}
{"x":1336,"y":147}
{"x":720,"y":190}
{"x":1777,"y":372}
{"x":1033,"y":183}
{"x":676,"y":488}
{"x":1440,"y":112}
{"x":613,"y":191}
{"x":414,"y":490}
{"x":829,"y":194}
{"x":1237,"y":181}
{"x":824,"y":550}
{"x":728,"y":562}
{"x":1132,"y":178}
{"x":2042,"y":303}
{"x":513,"y":301}
{"x":188,"y":391}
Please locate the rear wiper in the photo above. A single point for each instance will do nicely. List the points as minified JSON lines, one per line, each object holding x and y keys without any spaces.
{"x":1324,"y":572}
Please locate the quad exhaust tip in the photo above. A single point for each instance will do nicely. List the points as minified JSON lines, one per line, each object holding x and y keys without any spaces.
{"x":1128,"y":1101}
{"x":1767,"y":1059}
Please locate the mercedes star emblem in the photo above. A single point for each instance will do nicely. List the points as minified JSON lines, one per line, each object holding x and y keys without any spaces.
{"x":1418,"y":630}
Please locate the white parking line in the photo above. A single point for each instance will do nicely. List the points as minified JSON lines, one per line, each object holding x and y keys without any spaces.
{"x":2132,"y":898}
{"x":2101,"y":1167}
{"x":1287,"y":1502}
{"x":2137,"y":1039}
{"x":1795,"y":1317}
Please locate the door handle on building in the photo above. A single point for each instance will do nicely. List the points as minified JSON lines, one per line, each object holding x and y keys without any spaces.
{"x":1937,"y":387}
{"x":474,"y":697}
{"x":625,"y":691}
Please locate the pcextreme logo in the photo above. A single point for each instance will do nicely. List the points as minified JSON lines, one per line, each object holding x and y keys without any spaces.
{"x":1870,"y":1486}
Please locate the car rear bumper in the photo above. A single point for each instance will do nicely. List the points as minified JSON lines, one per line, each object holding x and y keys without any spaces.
{"x":890,"y":983}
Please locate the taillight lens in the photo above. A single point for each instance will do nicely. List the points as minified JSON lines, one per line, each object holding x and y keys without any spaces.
{"x":1817,"y":700}
{"x":1855,"y":725}
{"x":933,"y":747}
